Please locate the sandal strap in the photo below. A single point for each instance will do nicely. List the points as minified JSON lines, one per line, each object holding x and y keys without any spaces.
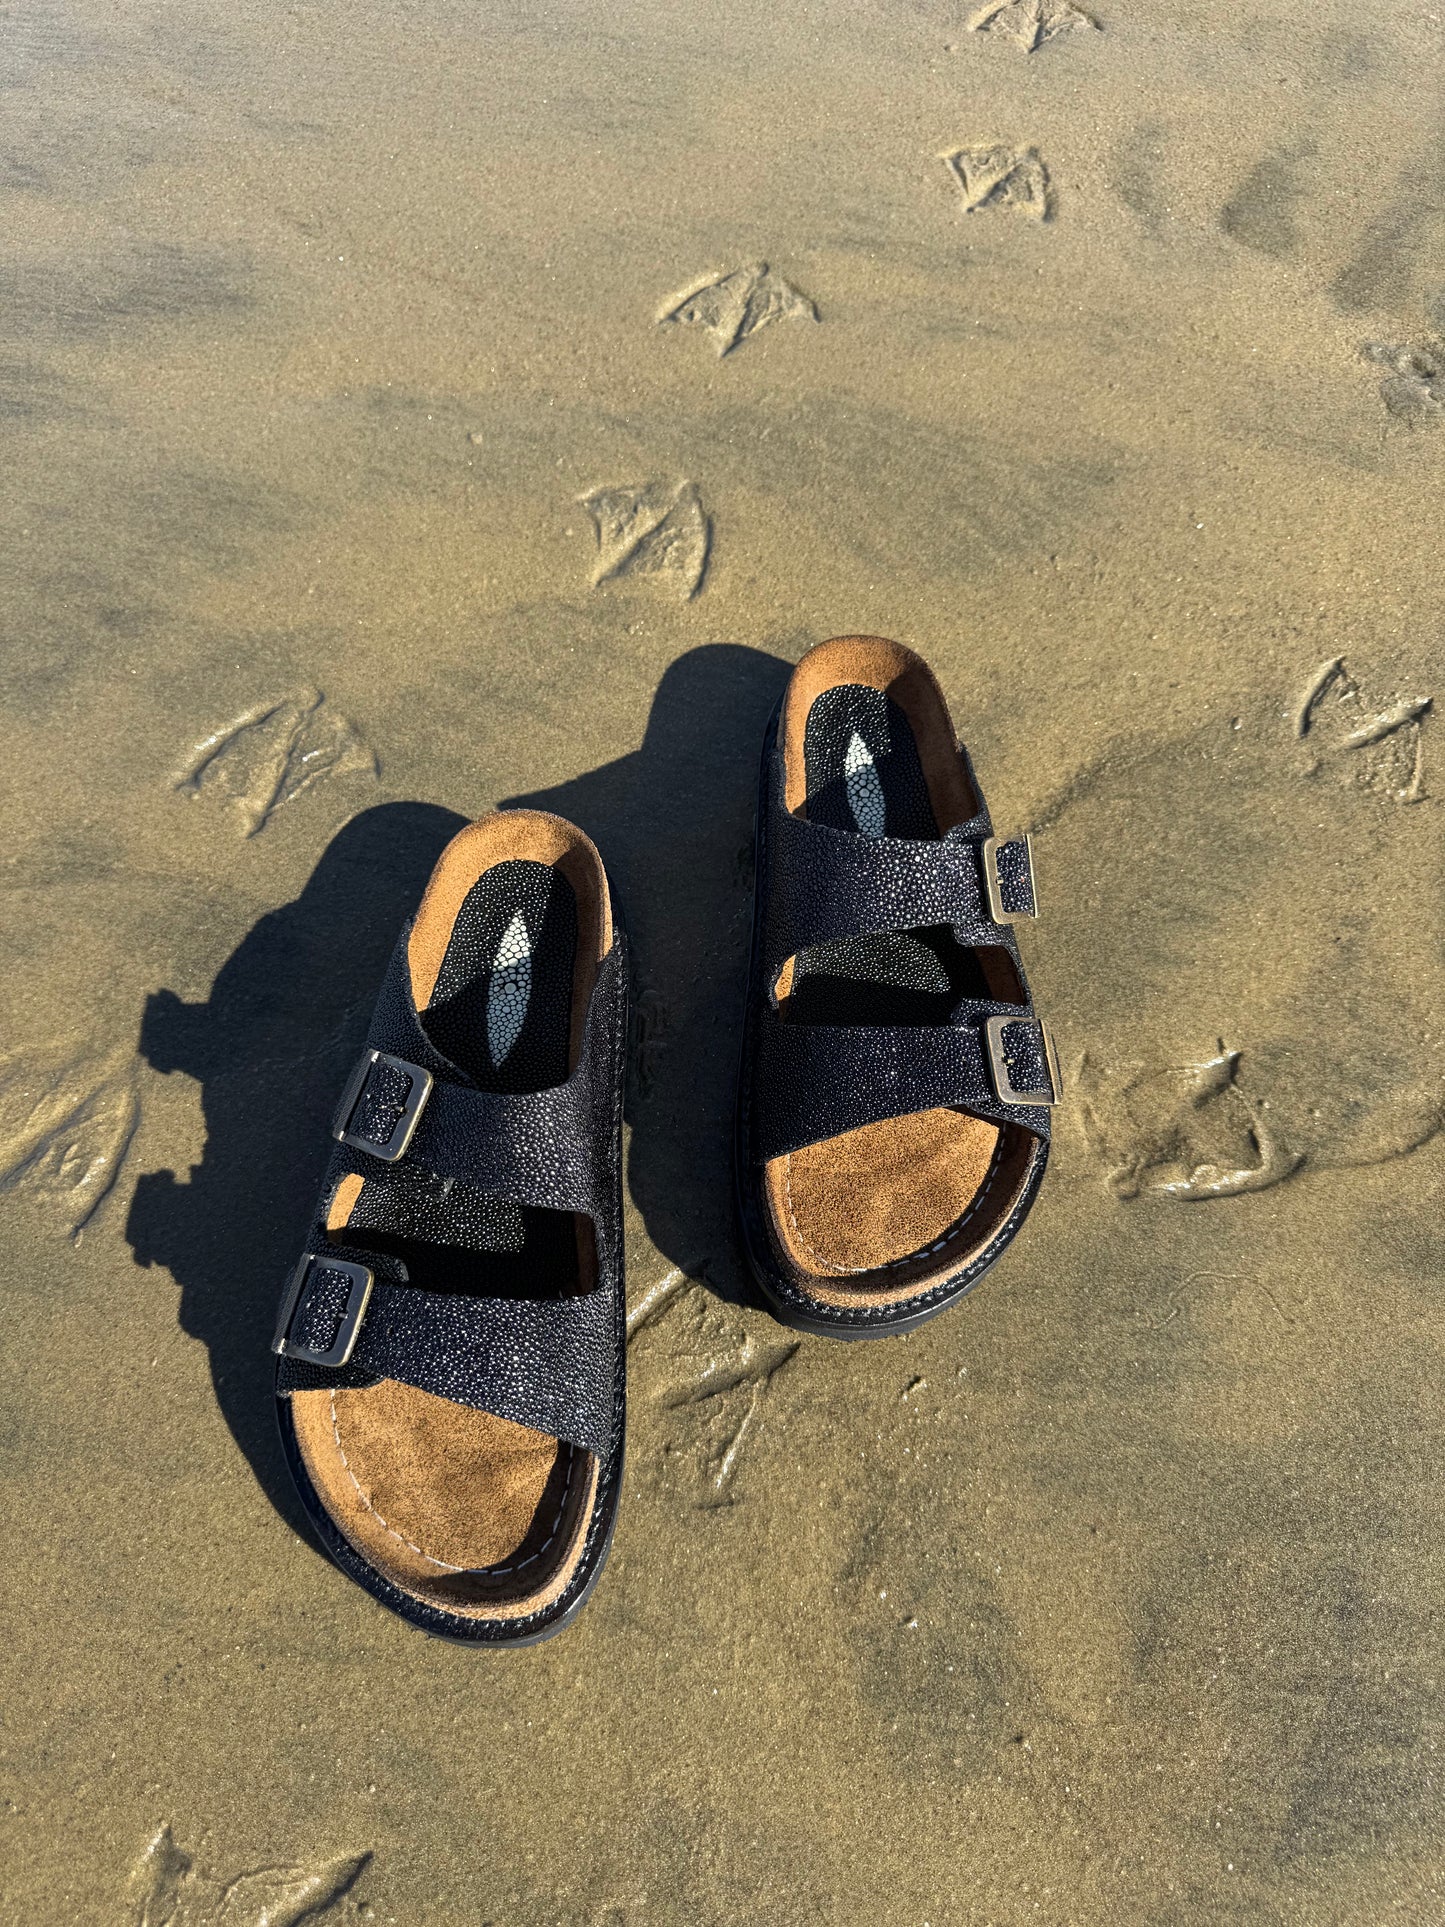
{"x":351,"y":1318}
{"x":816,"y":1081}
{"x":827,"y":884}
{"x":550,"y":1149}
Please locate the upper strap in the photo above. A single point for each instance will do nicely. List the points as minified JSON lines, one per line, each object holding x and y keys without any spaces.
{"x":551,"y":1149}
{"x":820,"y":1080}
{"x":826,"y":884}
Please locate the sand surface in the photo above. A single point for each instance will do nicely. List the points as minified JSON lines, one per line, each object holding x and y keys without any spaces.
{"x":354,"y":481}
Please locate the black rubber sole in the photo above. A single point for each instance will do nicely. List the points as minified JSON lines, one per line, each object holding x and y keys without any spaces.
{"x":866,"y":1321}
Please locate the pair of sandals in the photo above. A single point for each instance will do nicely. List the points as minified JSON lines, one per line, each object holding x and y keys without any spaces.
{"x":451,"y":1383}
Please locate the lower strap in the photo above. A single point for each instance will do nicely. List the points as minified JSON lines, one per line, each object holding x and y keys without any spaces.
{"x":815,"y":1081}
{"x":547,"y":1363}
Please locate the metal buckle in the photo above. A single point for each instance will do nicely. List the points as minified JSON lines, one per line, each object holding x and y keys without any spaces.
{"x":394,"y":1146}
{"x":344,"y":1344}
{"x":1003,"y":1084}
{"x":993,"y":883}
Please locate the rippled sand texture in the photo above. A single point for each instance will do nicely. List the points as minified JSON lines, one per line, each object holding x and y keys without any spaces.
{"x":411,"y":409}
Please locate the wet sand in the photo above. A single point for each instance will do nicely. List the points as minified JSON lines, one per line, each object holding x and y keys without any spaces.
{"x":400,"y":419}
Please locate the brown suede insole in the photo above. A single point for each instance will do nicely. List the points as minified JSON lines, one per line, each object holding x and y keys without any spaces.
{"x":463,"y":1509}
{"x":879,"y":1214}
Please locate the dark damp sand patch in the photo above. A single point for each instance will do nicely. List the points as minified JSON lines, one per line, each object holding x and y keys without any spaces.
{"x":149,"y":284}
{"x":1397,"y":248}
{"x":935,"y":1659}
{"x":1342,"y":1752}
{"x":1261,"y":212}
{"x":128,"y":542}
{"x":1138,"y":172}
{"x":974,"y":495}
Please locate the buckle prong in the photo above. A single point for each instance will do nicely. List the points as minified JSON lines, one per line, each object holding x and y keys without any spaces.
{"x":394,"y":1146}
{"x":998,"y":1065}
{"x":358,"y":1297}
{"x":993,"y":883}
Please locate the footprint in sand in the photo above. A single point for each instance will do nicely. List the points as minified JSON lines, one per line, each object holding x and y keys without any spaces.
{"x":999,"y":176}
{"x":1214,"y":886}
{"x":272,"y":753}
{"x":706,"y":1370}
{"x":1186,"y":1132}
{"x":733,"y":307}
{"x":648,"y":1027}
{"x":1193,"y":1131}
{"x":168,"y":1889}
{"x":1414,"y":388}
{"x":1030,"y":23}
{"x":1373,"y":744}
{"x":656,"y":529}
{"x":67,"y":1116}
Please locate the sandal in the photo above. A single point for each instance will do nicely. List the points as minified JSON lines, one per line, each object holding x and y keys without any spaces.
{"x":451,"y":1379}
{"x":893,"y":1106}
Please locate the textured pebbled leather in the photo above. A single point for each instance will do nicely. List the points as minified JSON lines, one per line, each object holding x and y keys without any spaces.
{"x":549,"y":1148}
{"x":1016,"y":877}
{"x":825,"y":884}
{"x":553,"y":1362}
{"x":803,"y":1083}
{"x":546,"y":1363}
{"x":821,"y":1080}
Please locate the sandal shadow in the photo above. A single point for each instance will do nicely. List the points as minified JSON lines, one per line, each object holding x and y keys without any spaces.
{"x":674,"y":823}
{"x":270,"y":1048}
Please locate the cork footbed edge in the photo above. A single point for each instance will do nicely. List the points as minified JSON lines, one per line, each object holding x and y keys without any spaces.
{"x":881,"y":1214}
{"x":453,"y":1505}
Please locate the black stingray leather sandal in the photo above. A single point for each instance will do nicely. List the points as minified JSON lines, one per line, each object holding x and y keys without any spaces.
{"x":451,"y":1381}
{"x":894,"y":1098}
